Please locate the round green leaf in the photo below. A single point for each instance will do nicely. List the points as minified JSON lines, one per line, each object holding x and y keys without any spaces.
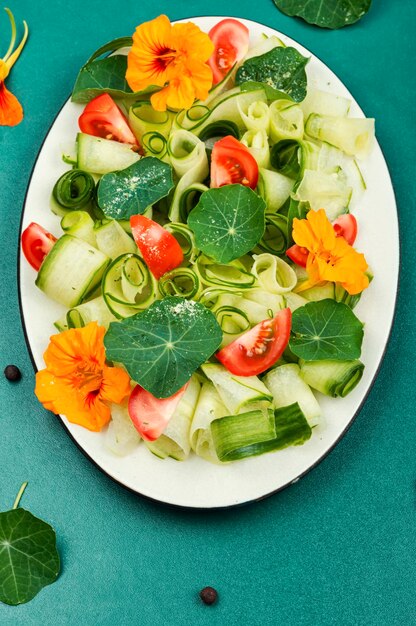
{"x":326,"y":330}
{"x":228,"y":222}
{"x":132,"y":190}
{"x":28,"y":557}
{"x":326,"y":13}
{"x":280,"y":68}
{"x":164,"y":345}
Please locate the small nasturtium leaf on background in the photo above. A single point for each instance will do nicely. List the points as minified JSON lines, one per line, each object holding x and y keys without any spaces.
{"x":132,"y":190}
{"x":280,"y":68}
{"x":163,"y":346}
{"x":326,"y":13}
{"x":228,"y":222}
{"x":28,"y":556}
{"x":326,"y":329}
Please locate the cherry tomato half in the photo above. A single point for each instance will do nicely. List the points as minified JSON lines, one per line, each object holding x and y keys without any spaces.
{"x":230,"y":38}
{"x":36,"y":243}
{"x":151,"y":415}
{"x":161,"y":252}
{"x":232,"y":162}
{"x":346,"y":226}
{"x":103,"y":118}
{"x":259,"y":348}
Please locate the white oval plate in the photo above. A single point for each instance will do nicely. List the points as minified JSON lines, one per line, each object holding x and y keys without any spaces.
{"x":197,"y":483}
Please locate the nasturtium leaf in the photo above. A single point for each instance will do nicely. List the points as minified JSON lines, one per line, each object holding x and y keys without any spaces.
{"x":280,"y":68}
{"x":132,"y":190}
{"x":163,"y":346}
{"x":326,"y":13}
{"x":28,"y":556}
{"x":326,"y":329}
{"x":270,"y":92}
{"x":228,"y":222}
{"x":104,"y":75}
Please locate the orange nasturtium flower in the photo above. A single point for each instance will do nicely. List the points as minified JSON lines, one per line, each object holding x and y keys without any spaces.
{"x":11,"y":112}
{"x":77,"y":382}
{"x":171,"y":56}
{"x":330,"y":257}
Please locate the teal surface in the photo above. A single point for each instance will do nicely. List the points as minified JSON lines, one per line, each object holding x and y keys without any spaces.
{"x":338,"y":547}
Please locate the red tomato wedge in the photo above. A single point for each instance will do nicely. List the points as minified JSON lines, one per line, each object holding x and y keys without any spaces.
{"x":151,"y":415}
{"x":161,"y":252}
{"x":230,"y":38}
{"x":36,"y":243}
{"x":259,"y":348}
{"x":298,"y":255}
{"x":103,"y":118}
{"x":346,"y":226}
{"x":232,"y":162}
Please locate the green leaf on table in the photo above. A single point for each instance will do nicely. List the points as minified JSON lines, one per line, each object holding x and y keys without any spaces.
{"x":228,"y":222}
{"x":326,"y":13}
{"x":163,"y":346}
{"x":132,"y":190}
{"x":280,"y":68}
{"x":28,"y":556}
{"x":326,"y":330}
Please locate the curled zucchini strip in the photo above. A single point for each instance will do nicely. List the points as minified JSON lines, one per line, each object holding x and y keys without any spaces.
{"x":81,"y":315}
{"x":274,"y":239}
{"x":355,"y":136}
{"x":112,"y":239}
{"x":81,"y":225}
{"x":232,"y":276}
{"x":209,"y":408}
{"x":182,"y":281}
{"x":274,"y":188}
{"x":286,"y":121}
{"x":188,"y":119}
{"x":291,"y":157}
{"x":186,"y":239}
{"x":128,"y":286}
{"x":273,"y":274}
{"x":156,"y":145}
{"x":256,"y":116}
{"x":74,"y":190}
{"x":144,"y":119}
{"x":258,"y":144}
{"x":333,"y":378}
{"x":324,"y":190}
{"x":189,"y":160}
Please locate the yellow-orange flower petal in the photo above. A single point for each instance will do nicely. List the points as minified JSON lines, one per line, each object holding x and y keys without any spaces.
{"x":76,"y":381}
{"x":11,"y":112}
{"x":173,"y":57}
{"x":330,"y":257}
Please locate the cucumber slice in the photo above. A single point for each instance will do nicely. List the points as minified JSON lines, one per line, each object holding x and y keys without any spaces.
{"x":333,"y":378}
{"x":81,"y":225}
{"x":324,"y":103}
{"x":355,"y":136}
{"x":294,"y":301}
{"x":208,"y":408}
{"x":79,"y":316}
{"x":71,"y":271}
{"x":274,"y":188}
{"x":328,"y":191}
{"x":236,"y":392}
{"x":102,"y":156}
{"x":113,"y":240}
{"x":287,"y":387}
{"x":320,"y":292}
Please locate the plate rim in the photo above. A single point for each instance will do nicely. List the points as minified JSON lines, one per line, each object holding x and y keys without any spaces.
{"x":373,"y":379}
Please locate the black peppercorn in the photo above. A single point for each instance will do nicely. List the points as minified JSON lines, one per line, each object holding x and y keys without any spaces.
{"x":208,"y":595}
{"x":12,"y":373}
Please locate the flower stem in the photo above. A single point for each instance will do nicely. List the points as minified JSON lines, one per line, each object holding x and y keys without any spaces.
{"x":19,"y":495}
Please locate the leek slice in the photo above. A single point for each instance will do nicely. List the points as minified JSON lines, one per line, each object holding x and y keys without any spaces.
{"x":286,"y":121}
{"x":79,"y":224}
{"x":182,"y":281}
{"x":257,"y":143}
{"x":236,"y":392}
{"x":233,"y":275}
{"x":113,"y":240}
{"x":256,"y":116}
{"x":328,"y":191}
{"x":273,"y":274}
{"x":355,"y":136}
{"x":288,"y":387}
{"x":209,"y":408}
{"x":128,"y":286}
{"x":175,"y":441}
{"x":81,"y":315}
{"x":189,"y":160}
{"x":333,"y":378}
{"x":274,"y":188}
{"x":186,"y":239}
{"x":144,"y":119}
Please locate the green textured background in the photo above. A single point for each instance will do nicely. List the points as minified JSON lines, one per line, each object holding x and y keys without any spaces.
{"x":336,"y":548}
